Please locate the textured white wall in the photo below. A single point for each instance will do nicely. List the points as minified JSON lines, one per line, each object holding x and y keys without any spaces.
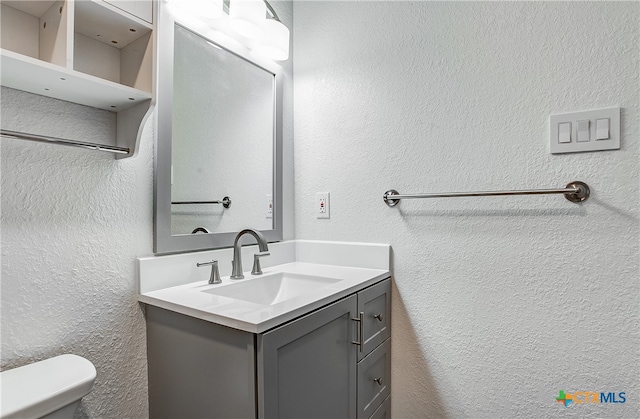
{"x":500,"y":302}
{"x":73,"y":222}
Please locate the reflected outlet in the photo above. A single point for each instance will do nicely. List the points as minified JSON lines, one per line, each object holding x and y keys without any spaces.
{"x":269,"y":206}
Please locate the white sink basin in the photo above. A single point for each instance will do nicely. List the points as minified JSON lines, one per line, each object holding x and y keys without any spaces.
{"x":272,"y":289}
{"x":260,"y":302}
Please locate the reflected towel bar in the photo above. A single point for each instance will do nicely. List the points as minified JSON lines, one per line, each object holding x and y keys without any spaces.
{"x":226,"y":202}
{"x":62,"y":141}
{"x":574,"y":192}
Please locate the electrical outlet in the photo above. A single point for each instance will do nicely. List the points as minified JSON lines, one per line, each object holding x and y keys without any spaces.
{"x":322,"y":205}
{"x":269,"y":206}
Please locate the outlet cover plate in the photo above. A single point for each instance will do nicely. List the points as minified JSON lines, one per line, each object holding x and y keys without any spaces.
{"x":322,"y":205}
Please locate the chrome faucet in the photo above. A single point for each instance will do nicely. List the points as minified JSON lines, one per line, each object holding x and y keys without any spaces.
{"x":236,"y":273}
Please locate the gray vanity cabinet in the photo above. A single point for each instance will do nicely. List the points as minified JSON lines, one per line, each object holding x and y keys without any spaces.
{"x":374,"y":372}
{"x":310,"y":367}
{"x":374,"y":304}
{"x":384,"y":411}
{"x":198,"y":369}
{"x":307,"y":368}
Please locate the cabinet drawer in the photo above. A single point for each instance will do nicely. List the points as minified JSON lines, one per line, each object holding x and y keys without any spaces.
{"x":384,"y":411}
{"x":374,"y":304}
{"x":374,"y":380}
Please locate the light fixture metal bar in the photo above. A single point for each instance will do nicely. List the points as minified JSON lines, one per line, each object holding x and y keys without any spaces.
{"x":272,"y":11}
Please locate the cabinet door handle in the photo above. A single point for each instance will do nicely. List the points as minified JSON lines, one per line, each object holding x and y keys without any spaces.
{"x":378,"y":316}
{"x":378,"y":380}
{"x":360,"y":320}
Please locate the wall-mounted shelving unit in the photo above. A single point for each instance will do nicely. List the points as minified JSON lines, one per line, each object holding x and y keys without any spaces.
{"x":90,"y":52}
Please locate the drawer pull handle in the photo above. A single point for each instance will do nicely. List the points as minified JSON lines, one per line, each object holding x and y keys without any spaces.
{"x":378,"y":316}
{"x":360,"y":320}
{"x":378,"y":380}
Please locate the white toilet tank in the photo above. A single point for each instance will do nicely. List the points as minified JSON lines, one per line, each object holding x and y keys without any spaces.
{"x":51,"y":388}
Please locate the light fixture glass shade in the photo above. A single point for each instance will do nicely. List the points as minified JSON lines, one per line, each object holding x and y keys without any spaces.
{"x":206,"y":9}
{"x":247,"y":17}
{"x":275,"y":44}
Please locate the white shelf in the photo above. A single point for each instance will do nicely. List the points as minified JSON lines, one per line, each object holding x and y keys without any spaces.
{"x":104,"y":23}
{"x":87,"y":52}
{"x":141,"y":9}
{"x":34,"y":8}
{"x":39,"y":77}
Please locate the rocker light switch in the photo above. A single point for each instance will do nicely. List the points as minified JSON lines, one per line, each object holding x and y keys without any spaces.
{"x":582,"y":131}
{"x":602,"y":129}
{"x":564,"y":132}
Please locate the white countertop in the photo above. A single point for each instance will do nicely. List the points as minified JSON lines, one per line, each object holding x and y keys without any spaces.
{"x":195,"y":299}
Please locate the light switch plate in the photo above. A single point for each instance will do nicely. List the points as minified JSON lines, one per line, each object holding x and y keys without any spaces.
{"x":574,"y":146}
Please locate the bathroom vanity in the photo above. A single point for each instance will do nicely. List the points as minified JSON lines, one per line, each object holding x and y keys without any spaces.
{"x":305,"y":339}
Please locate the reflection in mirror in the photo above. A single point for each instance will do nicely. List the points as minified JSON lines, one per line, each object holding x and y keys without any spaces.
{"x":218,"y":167}
{"x":222,"y":138}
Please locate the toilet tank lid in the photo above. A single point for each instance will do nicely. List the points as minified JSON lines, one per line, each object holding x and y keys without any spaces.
{"x":43,"y":387}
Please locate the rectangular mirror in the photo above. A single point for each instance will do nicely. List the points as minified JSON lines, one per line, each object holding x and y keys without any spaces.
{"x":219,"y":123}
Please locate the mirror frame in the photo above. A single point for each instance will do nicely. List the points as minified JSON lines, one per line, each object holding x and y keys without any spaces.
{"x":163,"y":241}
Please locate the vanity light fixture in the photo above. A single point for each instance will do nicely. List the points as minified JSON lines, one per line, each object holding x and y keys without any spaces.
{"x":206,"y":9}
{"x":247,"y":17}
{"x":275,"y":43}
{"x":256,"y":22}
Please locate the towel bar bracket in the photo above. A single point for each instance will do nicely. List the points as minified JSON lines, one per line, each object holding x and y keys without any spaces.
{"x":582,"y":192}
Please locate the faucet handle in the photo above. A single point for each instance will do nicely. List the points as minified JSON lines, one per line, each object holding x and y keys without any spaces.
{"x":257,"y":270}
{"x":215,"y":274}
